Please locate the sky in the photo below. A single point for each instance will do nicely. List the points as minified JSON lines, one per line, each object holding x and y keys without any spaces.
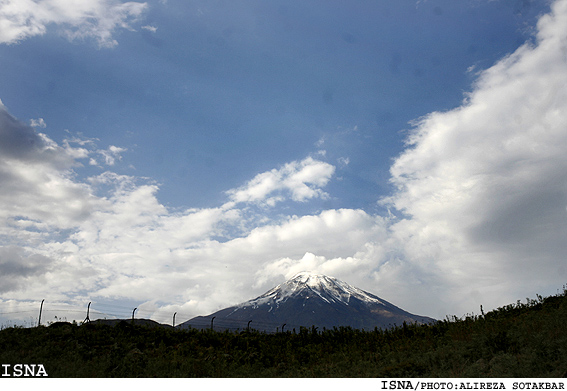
{"x":185,"y":156}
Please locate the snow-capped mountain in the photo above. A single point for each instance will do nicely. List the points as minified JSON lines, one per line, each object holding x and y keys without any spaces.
{"x":308,"y":300}
{"x":327,"y":288}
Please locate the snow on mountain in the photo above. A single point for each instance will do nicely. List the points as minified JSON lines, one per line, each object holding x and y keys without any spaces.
{"x":307,"y":300}
{"x":327,"y":288}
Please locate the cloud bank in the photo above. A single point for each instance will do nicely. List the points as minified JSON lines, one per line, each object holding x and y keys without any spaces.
{"x":483,"y":187}
{"x":109,"y":236}
{"x":478,"y":212}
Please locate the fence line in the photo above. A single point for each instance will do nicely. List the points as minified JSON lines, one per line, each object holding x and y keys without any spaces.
{"x":45,"y":310}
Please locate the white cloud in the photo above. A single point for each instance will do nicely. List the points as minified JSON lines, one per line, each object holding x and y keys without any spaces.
{"x":484,"y":187}
{"x":111,"y":237}
{"x":98,"y":19}
{"x":301,"y":180}
{"x":112,"y":154}
{"x":152,"y":29}
{"x":38,"y":123}
{"x":37,"y":184}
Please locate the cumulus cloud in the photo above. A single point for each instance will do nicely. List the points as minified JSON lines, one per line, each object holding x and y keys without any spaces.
{"x":98,"y":19}
{"x":37,"y":185}
{"x":480,"y":194}
{"x":483,"y":188}
{"x":21,"y":141}
{"x":17,"y":268}
{"x":300,"y":180}
{"x":112,"y":237}
{"x":110,"y":234}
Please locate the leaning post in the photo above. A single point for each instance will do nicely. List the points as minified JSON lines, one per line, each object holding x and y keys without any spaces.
{"x":87,"y":319}
{"x":40,"y":309}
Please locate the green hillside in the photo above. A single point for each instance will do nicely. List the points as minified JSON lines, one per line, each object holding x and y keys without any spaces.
{"x":519,"y":340}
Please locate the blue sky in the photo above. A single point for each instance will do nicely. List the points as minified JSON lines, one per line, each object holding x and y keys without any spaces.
{"x":189,"y":155}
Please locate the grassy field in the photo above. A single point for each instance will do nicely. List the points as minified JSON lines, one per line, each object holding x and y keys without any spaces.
{"x":519,"y":340}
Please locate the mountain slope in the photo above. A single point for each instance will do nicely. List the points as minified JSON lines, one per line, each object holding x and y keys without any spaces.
{"x":308,"y":300}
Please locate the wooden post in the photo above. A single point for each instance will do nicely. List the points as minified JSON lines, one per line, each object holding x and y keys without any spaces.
{"x":40,"y":309}
{"x":87,"y":319}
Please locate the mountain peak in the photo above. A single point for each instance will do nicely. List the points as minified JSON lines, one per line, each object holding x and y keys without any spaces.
{"x":307,"y":284}
{"x":309,"y":299}
{"x":310,"y":279}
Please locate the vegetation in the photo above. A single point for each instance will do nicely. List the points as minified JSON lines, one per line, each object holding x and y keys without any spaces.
{"x":519,"y":340}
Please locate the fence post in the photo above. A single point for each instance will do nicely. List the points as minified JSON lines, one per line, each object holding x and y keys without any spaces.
{"x":40,"y":309}
{"x":87,"y":319}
